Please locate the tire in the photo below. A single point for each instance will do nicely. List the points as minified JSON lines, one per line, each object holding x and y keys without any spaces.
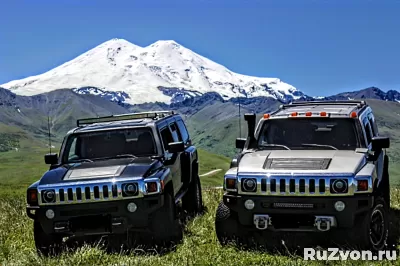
{"x":46,"y":245}
{"x":373,"y":230}
{"x":227,"y":227}
{"x":165,"y":224}
{"x":192,"y":202}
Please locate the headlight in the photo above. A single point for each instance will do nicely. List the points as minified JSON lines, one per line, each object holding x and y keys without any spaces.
{"x":129,"y":189}
{"x":249,"y":184}
{"x":339,"y":186}
{"x":49,"y":196}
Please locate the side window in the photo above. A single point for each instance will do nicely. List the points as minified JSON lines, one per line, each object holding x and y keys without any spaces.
{"x":166,"y":137}
{"x":175,"y":132}
{"x":371,"y":120}
{"x":72,"y":151}
{"x":183,"y":131}
{"x":368,"y":132}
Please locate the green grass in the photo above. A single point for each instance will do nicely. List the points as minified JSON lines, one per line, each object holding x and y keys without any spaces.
{"x":199,"y":246}
{"x":210,"y":162}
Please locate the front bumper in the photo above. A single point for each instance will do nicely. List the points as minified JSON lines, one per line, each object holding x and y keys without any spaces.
{"x":110,"y":217}
{"x":297,"y":213}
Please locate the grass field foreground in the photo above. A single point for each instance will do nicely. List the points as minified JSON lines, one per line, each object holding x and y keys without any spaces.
{"x":199,"y":247}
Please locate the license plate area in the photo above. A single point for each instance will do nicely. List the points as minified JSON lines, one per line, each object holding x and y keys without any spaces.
{"x":284,"y":221}
{"x":91,"y":224}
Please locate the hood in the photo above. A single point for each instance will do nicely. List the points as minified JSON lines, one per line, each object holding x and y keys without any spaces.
{"x":114,"y":168}
{"x":302,"y":161}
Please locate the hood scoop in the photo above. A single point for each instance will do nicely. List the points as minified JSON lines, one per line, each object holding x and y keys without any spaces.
{"x":95,"y":172}
{"x":297,"y":163}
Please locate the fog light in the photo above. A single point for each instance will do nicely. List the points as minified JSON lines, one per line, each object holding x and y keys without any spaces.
{"x":131,"y":207}
{"x":339,"y":206}
{"x":50,"y":214}
{"x":249,"y":204}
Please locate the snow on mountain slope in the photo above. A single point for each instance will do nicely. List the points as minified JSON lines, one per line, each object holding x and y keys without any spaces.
{"x":158,"y":72}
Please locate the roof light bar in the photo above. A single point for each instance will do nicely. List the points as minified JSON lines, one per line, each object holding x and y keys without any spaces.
{"x":309,"y":114}
{"x":154,"y":114}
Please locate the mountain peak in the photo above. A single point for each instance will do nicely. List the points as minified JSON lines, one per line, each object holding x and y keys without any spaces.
{"x":155,"y":73}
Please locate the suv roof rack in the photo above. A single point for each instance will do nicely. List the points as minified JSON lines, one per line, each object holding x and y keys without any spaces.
{"x":359,"y":103}
{"x":130,"y":116}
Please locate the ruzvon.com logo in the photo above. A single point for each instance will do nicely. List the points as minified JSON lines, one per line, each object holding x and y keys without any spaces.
{"x":336,"y":254}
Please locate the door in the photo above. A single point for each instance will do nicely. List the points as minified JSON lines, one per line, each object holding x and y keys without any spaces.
{"x":172,"y":160}
{"x":374,"y":133}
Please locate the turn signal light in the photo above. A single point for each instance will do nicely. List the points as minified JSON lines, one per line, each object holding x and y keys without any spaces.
{"x":362,"y":185}
{"x":32,"y":197}
{"x":266,"y":116}
{"x":151,"y":187}
{"x":230,"y":183}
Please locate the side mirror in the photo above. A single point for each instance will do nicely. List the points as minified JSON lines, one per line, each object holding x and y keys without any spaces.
{"x":51,"y":158}
{"x":240,"y":142}
{"x":175,"y":147}
{"x":379,"y":143}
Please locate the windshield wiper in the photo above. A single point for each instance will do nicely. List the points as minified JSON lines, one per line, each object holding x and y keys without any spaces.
{"x":274,"y":145}
{"x":318,"y":145}
{"x":116,"y":156}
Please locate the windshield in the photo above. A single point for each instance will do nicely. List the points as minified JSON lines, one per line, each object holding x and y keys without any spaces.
{"x":133,"y":142}
{"x":308,"y":133}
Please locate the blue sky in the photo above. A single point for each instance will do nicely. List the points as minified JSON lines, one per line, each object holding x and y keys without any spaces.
{"x":320,"y":47}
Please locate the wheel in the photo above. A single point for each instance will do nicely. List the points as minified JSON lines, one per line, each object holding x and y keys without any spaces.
{"x":192,"y":202}
{"x":46,"y":245}
{"x":373,"y":231}
{"x":165,"y":224}
{"x":226,"y":225}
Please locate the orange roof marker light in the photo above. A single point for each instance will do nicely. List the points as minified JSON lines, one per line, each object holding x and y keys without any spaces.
{"x":293,"y":114}
{"x":308,"y":114}
{"x":323,"y":114}
{"x":266,"y":116}
{"x":353,"y":115}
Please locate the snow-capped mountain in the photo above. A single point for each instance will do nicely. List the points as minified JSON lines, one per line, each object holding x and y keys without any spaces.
{"x":164,"y":71}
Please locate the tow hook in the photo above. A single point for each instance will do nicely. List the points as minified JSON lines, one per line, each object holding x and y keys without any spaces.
{"x":261,"y":221}
{"x":324,"y":223}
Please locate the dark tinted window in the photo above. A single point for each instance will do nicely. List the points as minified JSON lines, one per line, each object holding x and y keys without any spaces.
{"x":175,"y":133}
{"x":166,"y":137}
{"x":183,"y":131}
{"x":111,"y":143}
{"x":299,"y":133}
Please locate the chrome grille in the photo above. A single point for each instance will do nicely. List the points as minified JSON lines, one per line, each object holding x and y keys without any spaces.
{"x":86,"y":192}
{"x":296,"y":186}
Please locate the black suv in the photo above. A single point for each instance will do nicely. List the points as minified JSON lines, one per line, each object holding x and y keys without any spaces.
{"x":319,"y":168}
{"x":120,"y":176}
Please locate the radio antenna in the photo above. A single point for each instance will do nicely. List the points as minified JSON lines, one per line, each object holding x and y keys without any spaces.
{"x":240,"y":133}
{"x":48,"y":126}
{"x":240,"y":125}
